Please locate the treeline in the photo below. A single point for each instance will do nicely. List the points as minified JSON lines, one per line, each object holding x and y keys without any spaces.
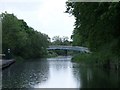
{"x":22,"y":40}
{"x":97,"y":26}
{"x":57,"y":40}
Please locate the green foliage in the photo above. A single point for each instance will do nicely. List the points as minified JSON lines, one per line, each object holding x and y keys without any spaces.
{"x":23,"y":40}
{"x":98,"y":59}
{"x":51,"y":54}
{"x":96,"y":23}
{"x":57,"y":40}
{"x":97,"y":27}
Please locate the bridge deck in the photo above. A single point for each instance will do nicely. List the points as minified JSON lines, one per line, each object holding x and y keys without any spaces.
{"x":74,"y":48}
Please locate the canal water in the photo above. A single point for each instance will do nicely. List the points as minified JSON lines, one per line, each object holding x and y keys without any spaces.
{"x":58,"y":72}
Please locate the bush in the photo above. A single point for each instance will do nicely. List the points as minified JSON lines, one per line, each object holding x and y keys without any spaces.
{"x":107,"y":60}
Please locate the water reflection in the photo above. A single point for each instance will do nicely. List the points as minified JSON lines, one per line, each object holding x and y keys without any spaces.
{"x":61,"y":75}
{"x":96,"y":77}
{"x":58,"y":72}
{"x":26,"y":74}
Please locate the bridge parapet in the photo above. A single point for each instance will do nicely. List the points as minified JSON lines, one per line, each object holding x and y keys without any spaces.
{"x":74,"y":48}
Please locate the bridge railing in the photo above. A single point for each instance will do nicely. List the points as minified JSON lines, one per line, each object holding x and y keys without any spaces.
{"x":76,"y":48}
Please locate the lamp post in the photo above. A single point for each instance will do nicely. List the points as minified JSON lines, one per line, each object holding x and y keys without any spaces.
{"x":8,"y":56}
{"x":8,"y":50}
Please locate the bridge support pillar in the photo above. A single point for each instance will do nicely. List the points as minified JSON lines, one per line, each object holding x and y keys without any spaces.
{"x":65,"y":52}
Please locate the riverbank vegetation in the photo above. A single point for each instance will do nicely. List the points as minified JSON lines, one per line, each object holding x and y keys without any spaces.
{"x":97,"y":27}
{"x":21,"y":40}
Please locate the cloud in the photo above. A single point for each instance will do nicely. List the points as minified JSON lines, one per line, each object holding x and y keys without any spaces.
{"x":19,"y":1}
{"x":46,"y":16}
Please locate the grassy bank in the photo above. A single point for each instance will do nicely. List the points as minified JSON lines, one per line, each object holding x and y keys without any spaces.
{"x":106,"y":60}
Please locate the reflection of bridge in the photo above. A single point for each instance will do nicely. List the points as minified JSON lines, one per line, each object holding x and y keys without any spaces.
{"x":72,"y":48}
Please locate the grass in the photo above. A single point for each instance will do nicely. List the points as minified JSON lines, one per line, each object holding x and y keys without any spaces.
{"x":102,"y":59}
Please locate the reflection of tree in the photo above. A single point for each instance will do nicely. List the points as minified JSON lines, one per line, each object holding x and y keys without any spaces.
{"x":60,"y":63}
{"x":25,"y":74}
{"x":96,"y":78}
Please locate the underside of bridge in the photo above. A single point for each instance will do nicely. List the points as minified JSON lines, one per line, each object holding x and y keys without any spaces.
{"x":63,"y":52}
{"x":60,"y":52}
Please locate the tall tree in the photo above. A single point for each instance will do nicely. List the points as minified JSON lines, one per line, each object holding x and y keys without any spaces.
{"x":96,"y":24}
{"x":21,"y":39}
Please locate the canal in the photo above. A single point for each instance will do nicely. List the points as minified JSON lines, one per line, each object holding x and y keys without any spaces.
{"x":58,"y":72}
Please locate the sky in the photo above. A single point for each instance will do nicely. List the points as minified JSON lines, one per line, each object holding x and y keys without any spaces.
{"x":46,"y":16}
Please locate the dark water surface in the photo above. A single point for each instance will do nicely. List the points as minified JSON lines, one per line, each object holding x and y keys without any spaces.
{"x":57,"y":72}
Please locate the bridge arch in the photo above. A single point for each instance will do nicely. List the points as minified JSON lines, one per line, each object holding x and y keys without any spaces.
{"x":66,"y":48}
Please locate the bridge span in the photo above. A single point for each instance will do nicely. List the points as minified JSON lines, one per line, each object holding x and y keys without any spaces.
{"x":72,"y":48}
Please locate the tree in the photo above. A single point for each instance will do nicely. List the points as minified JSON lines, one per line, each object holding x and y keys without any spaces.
{"x":57,"y":40}
{"x":96,"y":23}
{"x":97,"y":27}
{"x":23,"y":40}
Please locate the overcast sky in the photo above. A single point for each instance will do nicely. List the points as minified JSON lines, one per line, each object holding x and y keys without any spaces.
{"x":46,"y":16}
